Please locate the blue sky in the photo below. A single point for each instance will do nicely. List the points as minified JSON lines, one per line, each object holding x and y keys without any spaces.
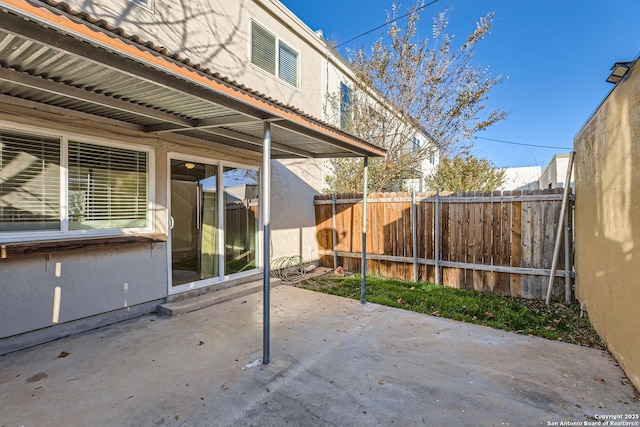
{"x":555,"y":53}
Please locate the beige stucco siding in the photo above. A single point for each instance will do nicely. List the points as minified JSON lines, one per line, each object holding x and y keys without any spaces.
{"x":88,"y":283}
{"x":216,"y":35}
{"x":608,"y":222}
{"x":102,"y":280}
{"x":110,"y":281}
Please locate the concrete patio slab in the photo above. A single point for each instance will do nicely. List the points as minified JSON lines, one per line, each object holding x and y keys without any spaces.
{"x":335,"y":362}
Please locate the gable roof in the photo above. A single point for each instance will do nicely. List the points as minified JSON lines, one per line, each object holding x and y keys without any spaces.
{"x":50,"y":54}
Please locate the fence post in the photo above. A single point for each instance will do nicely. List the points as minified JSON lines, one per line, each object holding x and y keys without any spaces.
{"x":414,"y":235}
{"x":335,"y":231}
{"x":436,"y":238}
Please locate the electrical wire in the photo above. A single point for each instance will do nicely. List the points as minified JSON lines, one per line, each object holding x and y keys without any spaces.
{"x":385,"y":24}
{"x":523,"y":144}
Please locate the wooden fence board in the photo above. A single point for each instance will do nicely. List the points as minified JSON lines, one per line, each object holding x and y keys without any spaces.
{"x":429,"y":223}
{"x":342,"y":213}
{"x":515,"y":280}
{"x":457,"y":245}
{"x":445,"y":234}
{"x":537,"y":235}
{"x":527,"y":253}
{"x":462,"y":231}
{"x":549,"y":227}
{"x":502,"y":281}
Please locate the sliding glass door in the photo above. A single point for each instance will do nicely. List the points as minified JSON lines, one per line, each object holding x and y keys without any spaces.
{"x":194,"y":222}
{"x":240,"y":219}
{"x":214,"y":222}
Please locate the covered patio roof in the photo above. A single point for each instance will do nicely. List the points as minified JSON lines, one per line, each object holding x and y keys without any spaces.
{"x":56,"y":59}
{"x":50,"y":55}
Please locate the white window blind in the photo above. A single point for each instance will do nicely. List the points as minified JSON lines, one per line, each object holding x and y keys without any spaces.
{"x":263,"y":48}
{"x":29,"y":182}
{"x":273,"y":56}
{"x":288,"y":64}
{"x":107,"y":187}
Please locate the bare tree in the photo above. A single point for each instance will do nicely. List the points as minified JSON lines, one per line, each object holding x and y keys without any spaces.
{"x":407,"y":91}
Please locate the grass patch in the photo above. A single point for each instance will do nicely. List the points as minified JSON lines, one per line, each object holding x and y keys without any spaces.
{"x":530,"y":317}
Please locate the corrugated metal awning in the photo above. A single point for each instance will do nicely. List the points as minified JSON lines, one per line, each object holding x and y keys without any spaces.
{"x":54,"y":57}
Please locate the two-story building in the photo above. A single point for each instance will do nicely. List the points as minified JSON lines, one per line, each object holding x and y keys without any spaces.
{"x":133,"y":139}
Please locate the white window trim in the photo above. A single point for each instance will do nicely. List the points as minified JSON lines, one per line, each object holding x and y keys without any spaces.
{"x":222,"y":276}
{"x":277,"y":55}
{"x":64,"y":232}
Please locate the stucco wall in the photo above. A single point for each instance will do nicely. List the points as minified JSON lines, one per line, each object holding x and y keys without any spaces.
{"x":294,"y":184}
{"x":607,"y":179}
{"x":99,"y":281}
{"x":216,"y":34}
{"x":522,"y":178}
{"x":89,"y":282}
{"x":555,"y":173}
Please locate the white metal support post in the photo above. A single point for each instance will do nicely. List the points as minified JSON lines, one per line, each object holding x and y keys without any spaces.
{"x":266,"y":236}
{"x":365,"y":185}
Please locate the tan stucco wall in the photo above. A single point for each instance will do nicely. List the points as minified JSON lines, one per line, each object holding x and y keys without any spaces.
{"x":608,"y":222}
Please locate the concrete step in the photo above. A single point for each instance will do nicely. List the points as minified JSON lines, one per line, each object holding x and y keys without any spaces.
{"x":212,"y":298}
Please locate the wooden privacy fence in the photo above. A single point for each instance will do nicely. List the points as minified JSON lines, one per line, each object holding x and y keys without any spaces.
{"x":487,"y":241}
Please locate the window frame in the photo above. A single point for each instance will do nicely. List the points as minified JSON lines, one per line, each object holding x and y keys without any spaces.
{"x":221,"y":236}
{"x":416,"y":144}
{"x":346,"y":106}
{"x":64,"y":232}
{"x":279,"y":44}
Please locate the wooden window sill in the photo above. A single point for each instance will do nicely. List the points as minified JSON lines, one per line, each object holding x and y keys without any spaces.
{"x":21,"y":249}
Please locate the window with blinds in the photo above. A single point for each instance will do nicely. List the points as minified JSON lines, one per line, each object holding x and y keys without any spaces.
{"x":263,"y":48}
{"x":273,"y":56}
{"x":106,"y":187}
{"x":29,"y":182}
{"x":288,"y":64}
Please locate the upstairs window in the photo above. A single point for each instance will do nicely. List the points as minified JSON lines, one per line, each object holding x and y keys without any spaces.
{"x":273,"y":56}
{"x":346,"y":108}
{"x":416,"y":144}
{"x":263,"y":48}
{"x":288,"y":64}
